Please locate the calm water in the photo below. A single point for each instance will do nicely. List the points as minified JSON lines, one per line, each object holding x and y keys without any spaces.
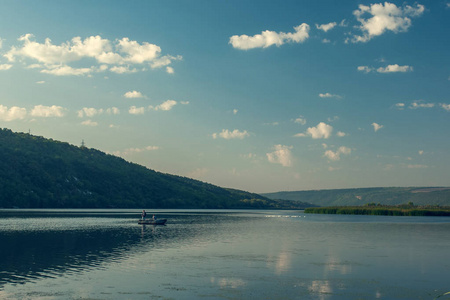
{"x":98,"y":254}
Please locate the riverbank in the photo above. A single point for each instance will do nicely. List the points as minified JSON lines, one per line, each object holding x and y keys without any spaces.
{"x":402,"y":210}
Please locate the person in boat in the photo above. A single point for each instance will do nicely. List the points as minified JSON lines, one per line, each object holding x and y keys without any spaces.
{"x":144,"y":214}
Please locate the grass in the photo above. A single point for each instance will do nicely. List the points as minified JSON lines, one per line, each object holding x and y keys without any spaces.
{"x":382,"y":210}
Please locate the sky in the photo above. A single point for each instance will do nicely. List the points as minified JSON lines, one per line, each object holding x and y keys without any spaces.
{"x":262,"y":96}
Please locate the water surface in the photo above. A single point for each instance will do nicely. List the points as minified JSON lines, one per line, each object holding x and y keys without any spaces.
{"x":216,"y":254}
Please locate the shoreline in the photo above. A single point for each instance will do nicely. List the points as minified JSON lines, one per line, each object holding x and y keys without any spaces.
{"x":402,"y":210}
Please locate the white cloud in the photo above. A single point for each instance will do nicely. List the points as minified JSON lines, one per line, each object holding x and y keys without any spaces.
{"x":121,"y":54}
{"x":35,"y":66}
{"x":365,"y":69}
{"x":40,"y":82}
{"x":110,"y":58}
{"x":47,"y":111}
{"x":122,"y":70}
{"x":92,"y":46}
{"x":89,"y":112}
{"x":337,"y":155}
{"x":89,"y":123}
{"x":235,"y":134}
{"x":341,"y":134}
{"x":235,"y":111}
{"x":136,"y":110}
{"x":376,"y":126}
{"x":326,"y":27}
{"x":165,"y":61}
{"x":46,"y":53}
{"x":67,"y":71}
{"x":268,"y":38}
{"x":113,"y":111}
{"x":151,"y":148}
{"x":400,"y":105}
{"x":300,"y":120}
{"x":332,"y":155}
{"x":13,"y":113}
{"x":133,"y":94}
{"x":281,"y":155}
{"x":130,"y":151}
{"x":321,"y":131}
{"x":326,"y":41}
{"x":102,"y":68}
{"x":382,"y":18}
{"x":170,"y":70}
{"x":395,"y":68}
{"x":445,"y":106}
{"x":388,"y":69}
{"x":328,"y":95}
{"x":333,"y":119}
{"x":301,"y":134}
{"x":420,"y":104}
{"x":345,"y":150}
{"x":420,"y":152}
{"x":137,"y":53}
{"x":166,"y":105}
{"x":5,"y":67}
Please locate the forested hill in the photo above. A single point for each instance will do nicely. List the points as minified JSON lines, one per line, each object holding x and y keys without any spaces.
{"x":362,"y":196}
{"x":42,"y":173}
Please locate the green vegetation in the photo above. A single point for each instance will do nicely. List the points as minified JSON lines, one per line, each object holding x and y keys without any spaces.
{"x":42,"y":173}
{"x":360,"y":196}
{"x":377,"y":209}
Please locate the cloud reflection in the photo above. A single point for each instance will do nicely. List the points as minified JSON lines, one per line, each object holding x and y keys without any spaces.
{"x":321,"y":287}
{"x":283,"y":263}
{"x":233,"y":283}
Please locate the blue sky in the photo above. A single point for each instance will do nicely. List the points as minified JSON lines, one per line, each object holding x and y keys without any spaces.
{"x":262,"y":96}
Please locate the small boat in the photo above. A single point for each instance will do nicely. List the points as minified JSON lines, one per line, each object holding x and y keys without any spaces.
{"x":152,"y":222}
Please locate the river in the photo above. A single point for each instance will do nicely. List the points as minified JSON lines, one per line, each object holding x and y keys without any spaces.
{"x":221,"y":254}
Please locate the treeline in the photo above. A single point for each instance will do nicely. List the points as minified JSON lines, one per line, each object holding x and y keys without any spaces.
{"x":36,"y":172}
{"x":382,"y":210}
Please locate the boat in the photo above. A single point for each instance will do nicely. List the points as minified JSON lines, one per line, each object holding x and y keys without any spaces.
{"x":152,"y":221}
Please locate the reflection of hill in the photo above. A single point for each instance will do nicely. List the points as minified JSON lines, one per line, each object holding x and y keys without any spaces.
{"x":26,"y":255}
{"x":92,"y":242}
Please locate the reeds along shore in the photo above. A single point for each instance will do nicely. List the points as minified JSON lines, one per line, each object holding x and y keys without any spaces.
{"x":401,"y":210}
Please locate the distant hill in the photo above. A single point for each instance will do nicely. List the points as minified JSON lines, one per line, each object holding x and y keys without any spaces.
{"x":36,"y":172}
{"x":362,"y":196}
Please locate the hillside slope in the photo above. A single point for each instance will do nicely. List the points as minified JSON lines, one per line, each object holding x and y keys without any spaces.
{"x":362,"y":196}
{"x":42,"y":173}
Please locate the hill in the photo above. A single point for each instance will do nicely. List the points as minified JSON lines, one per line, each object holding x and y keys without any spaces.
{"x":36,"y":172}
{"x":362,"y":196}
